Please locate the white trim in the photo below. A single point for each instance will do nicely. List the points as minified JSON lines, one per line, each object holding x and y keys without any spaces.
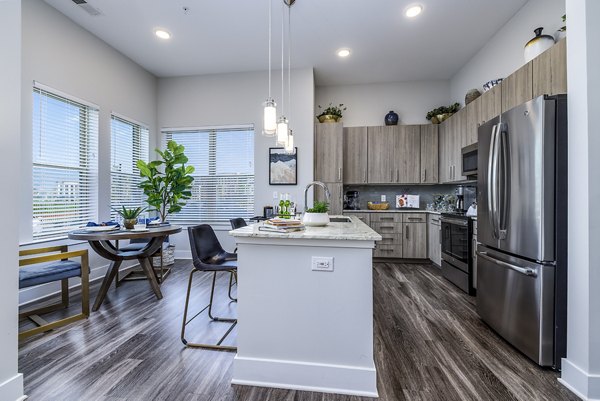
{"x":129,"y":120}
{"x":12,"y":389}
{"x":306,"y":376}
{"x":67,"y":96}
{"x":585,"y":385}
{"x":209,"y":128}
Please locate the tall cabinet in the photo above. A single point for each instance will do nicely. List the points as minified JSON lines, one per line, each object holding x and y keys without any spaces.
{"x":329,"y":149}
{"x":355,"y":155}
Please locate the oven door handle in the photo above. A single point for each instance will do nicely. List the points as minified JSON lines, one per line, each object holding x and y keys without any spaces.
{"x":454,"y":221}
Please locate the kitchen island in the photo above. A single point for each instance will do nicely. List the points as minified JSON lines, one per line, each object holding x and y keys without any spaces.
{"x":305,"y":311}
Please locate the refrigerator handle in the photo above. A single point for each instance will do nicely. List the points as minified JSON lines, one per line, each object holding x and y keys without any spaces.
{"x":504,"y":186}
{"x":522,"y":270}
{"x":491,"y":182}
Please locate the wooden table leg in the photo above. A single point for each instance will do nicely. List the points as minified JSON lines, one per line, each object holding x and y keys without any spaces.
{"x":108,"y":278}
{"x":151,"y":274}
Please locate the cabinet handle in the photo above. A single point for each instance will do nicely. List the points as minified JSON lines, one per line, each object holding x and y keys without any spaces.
{"x":365,"y":179}
{"x":392,"y":227}
{"x":425,"y":175}
{"x":415,"y":218}
{"x":406,"y":232}
{"x":440,"y":236}
{"x":398,"y":175}
{"x":340,"y":174}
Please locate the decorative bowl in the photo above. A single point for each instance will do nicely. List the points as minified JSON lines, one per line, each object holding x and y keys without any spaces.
{"x":378,"y":205}
{"x":490,"y":84}
{"x":328,"y":118}
{"x":315,"y":219}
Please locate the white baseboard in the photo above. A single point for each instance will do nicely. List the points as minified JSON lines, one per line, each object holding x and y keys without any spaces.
{"x":12,"y":389}
{"x":586,"y":386}
{"x":305,"y":376}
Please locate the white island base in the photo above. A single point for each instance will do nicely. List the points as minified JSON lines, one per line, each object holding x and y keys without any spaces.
{"x":304,"y":329}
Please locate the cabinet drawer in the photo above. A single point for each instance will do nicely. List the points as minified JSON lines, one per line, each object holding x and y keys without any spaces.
{"x":386,"y":217}
{"x":387,"y":251}
{"x":414,"y":217}
{"x":434,"y":219}
{"x":387,"y":228}
{"x":390,"y":239}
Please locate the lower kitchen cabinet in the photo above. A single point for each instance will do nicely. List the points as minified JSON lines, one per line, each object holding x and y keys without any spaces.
{"x":414,"y":241}
{"x":434,"y":249}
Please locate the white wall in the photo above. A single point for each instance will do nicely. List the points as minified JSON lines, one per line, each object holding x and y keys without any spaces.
{"x":503,"y":54}
{"x":581,"y":368}
{"x":225,"y":99}
{"x":11,"y":383}
{"x":369,"y":103}
{"x":60,"y":54}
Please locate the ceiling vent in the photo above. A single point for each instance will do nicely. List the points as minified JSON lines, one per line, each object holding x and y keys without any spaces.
{"x":87,"y":7}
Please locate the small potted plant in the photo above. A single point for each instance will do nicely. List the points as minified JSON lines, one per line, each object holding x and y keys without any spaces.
{"x":317,"y":215}
{"x":169,"y":187}
{"x":129,"y":215}
{"x":332,"y":114}
{"x":438,"y":115}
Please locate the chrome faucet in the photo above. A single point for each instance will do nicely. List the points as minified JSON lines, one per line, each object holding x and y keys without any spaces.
{"x":319,"y":183}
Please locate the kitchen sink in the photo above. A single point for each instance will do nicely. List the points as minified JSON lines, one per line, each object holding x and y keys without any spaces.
{"x":340,"y":220}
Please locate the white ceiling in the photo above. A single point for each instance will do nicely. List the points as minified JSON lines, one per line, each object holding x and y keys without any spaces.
{"x":222,"y":36}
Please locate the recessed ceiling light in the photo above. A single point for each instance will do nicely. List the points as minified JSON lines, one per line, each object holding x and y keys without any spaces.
{"x":413,"y":11}
{"x":343,"y":52}
{"x":161,"y":33}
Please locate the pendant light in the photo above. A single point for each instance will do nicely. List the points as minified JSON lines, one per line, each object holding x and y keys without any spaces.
{"x":282,"y":122}
{"x":270,"y":107}
{"x":289,"y":144}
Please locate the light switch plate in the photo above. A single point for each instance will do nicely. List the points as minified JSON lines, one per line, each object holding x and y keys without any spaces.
{"x":383,"y":198}
{"x":322,"y":263}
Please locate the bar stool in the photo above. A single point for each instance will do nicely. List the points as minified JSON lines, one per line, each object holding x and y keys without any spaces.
{"x":208,"y":256}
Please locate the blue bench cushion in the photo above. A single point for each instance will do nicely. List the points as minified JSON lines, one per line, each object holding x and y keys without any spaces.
{"x":47,"y":273}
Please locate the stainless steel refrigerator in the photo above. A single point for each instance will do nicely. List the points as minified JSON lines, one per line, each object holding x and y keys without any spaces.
{"x":522,"y":227}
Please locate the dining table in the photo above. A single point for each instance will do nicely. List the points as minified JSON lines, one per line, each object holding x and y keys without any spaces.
{"x":101,"y":243}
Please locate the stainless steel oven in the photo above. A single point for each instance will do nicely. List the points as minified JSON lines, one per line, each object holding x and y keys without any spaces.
{"x":457,"y":263}
{"x":469,"y":161}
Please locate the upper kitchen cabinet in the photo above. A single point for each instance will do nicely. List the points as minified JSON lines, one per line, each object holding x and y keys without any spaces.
{"x":490,"y":104}
{"x":329,"y":148}
{"x":474,"y":120}
{"x":429,"y":153}
{"x":550,"y":71}
{"x":355,"y":155}
{"x":380,"y":154}
{"x":407,"y":155}
{"x":454,"y":138}
{"x":444,"y":151}
{"x":517,"y":88}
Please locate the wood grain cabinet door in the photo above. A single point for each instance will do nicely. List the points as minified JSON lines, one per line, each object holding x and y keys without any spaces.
{"x":329,"y":147}
{"x":550,"y":71}
{"x":381,"y":154}
{"x":473,"y":120}
{"x":490,"y":104}
{"x":517,"y":88}
{"x":336,"y":200}
{"x":429,"y":153}
{"x":414,"y":241}
{"x":444,"y":152}
{"x":355,"y":155}
{"x":407,"y":155}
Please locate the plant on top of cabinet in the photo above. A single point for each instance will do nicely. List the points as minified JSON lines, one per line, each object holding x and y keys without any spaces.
{"x":442,"y":113}
{"x":561,"y":33}
{"x":332,"y":114}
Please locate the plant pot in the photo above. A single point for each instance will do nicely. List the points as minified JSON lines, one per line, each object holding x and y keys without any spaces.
{"x":328,"y":118}
{"x":442,"y":117}
{"x":129,"y":223}
{"x":315,"y":219}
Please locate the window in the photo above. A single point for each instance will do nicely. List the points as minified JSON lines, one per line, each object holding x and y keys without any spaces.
{"x":129,"y":143}
{"x":65,"y":172}
{"x":223,"y":185}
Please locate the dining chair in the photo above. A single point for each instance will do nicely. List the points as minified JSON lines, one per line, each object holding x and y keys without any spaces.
{"x":208,"y":256}
{"x":53,"y":265}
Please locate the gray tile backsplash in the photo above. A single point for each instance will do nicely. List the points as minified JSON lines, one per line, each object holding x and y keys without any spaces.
{"x":373,"y":193}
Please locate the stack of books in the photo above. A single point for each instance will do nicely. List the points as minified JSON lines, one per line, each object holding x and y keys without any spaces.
{"x":282,"y":226}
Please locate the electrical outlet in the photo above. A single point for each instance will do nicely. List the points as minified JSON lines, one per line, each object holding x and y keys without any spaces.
{"x":383,"y":198}
{"x":322,"y":263}
{"x":275,"y":195}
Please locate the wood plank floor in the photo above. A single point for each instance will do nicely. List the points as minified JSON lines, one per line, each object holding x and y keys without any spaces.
{"x":429,"y":344}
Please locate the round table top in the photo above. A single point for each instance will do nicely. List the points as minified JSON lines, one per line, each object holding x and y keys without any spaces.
{"x":162,"y":231}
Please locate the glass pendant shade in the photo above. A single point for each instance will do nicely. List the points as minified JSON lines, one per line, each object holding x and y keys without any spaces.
{"x":270,"y":118}
{"x":282,"y":131}
{"x":289,"y":144}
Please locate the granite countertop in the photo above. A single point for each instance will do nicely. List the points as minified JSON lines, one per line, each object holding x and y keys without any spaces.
{"x":354,"y":230}
{"x":392,"y":211}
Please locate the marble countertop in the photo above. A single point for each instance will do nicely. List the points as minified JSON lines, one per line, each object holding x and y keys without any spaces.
{"x":354,"y":230}
{"x":392,"y":211}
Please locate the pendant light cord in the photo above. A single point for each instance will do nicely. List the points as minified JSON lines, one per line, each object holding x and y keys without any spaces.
{"x":282,"y":65}
{"x":289,"y":63}
{"x":270,"y":19}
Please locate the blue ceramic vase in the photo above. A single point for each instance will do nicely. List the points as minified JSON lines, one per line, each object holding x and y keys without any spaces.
{"x":391,"y":118}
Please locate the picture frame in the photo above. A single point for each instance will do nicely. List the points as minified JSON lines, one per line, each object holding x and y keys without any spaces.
{"x":283,"y":167}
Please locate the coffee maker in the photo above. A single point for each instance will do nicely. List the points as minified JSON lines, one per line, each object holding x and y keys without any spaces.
{"x":460,"y":199}
{"x":351,"y":200}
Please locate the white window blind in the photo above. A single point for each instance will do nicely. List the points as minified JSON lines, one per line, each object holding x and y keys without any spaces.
{"x":65,"y":172}
{"x":223,"y":185}
{"x":129,"y":143}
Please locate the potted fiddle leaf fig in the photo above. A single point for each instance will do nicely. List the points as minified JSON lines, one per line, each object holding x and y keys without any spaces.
{"x":167,"y":182}
{"x":317,"y":215}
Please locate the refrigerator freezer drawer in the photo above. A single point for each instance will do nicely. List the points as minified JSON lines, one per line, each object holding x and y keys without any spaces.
{"x":516,"y":298}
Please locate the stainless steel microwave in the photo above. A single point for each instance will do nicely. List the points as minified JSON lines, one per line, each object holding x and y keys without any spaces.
{"x":469,"y":160}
